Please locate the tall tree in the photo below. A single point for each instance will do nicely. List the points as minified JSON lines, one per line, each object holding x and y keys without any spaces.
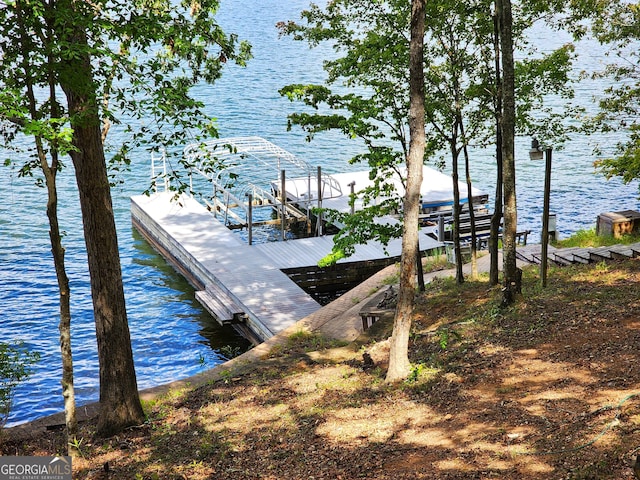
{"x":120,"y":405}
{"x":460,"y":109}
{"x":507,"y":131}
{"x":51,"y":141}
{"x":457,"y":106}
{"x":115,"y":61}
{"x":372,"y":108}
{"x":399,"y":365}
{"x":524,"y":85}
{"x":496,"y":218}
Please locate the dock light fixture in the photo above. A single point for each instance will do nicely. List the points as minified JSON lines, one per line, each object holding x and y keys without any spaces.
{"x":536,"y":153}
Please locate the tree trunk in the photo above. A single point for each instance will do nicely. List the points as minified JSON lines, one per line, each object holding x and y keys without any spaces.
{"x":50,"y":172}
{"x":472,"y":215}
{"x":68,"y":392}
{"x":64,"y":327}
{"x":120,"y":405}
{"x":456,"y":207}
{"x":119,"y":402}
{"x":510,"y":272}
{"x":496,"y":218}
{"x":399,"y":365}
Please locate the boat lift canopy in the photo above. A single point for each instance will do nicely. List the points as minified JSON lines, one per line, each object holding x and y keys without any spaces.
{"x":248,"y":172}
{"x":254,"y":160}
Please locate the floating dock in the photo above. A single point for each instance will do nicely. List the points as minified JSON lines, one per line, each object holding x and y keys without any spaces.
{"x":236,"y":283}
{"x":264,"y":288}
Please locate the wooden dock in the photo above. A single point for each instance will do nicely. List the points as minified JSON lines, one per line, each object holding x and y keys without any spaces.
{"x":240,"y":283}
{"x":266,"y":287}
{"x":227,"y":272}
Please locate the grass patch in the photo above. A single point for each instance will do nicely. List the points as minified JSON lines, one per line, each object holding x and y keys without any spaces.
{"x":304,"y":342}
{"x":589,"y":238}
{"x":435,"y":263}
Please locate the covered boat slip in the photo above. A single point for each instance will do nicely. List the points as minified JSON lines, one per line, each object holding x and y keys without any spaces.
{"x":250,"y":173}
{"x":435,"y":194}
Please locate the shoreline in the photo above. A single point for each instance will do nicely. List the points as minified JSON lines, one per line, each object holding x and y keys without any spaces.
{"x":339,"y":320}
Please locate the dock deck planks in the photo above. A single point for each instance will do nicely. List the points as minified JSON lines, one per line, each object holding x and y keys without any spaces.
{"x":251,"y":279}
{"x":306,"y":252}
{"x":209,"y":253}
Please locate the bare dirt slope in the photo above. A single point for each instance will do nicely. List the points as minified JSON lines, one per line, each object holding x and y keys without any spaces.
{"x":549,"y":389}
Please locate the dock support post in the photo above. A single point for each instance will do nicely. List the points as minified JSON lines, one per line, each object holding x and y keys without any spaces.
{"x":441,"y":228}
{"x":319,"y":201}
{"x":250,"y":218}
{"x":215,"y":201}
{"x":283,"y":200}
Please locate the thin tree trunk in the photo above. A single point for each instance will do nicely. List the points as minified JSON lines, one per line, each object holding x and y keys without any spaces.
{"x":510,"y":286}
{"x":456,"y":207}
{"x":496,"y":218}
{"x":472,"y":214}
{"x":68,"y":392}
{"x":120,"y":405}
{"x":50,"y":172}
{"x":64,"y":327}
{"x":399,"y":365}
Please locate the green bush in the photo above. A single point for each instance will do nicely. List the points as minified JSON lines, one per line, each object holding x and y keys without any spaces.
{"x":15,"y":366}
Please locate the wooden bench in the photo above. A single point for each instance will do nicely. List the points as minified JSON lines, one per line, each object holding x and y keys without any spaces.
{"x":521,"y":239}
{"x":482,"y":227}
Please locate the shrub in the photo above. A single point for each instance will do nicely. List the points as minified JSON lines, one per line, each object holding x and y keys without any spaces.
{"x":15,"y":366}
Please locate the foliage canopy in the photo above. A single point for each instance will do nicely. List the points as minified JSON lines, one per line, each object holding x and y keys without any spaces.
{"x":146,"y":55}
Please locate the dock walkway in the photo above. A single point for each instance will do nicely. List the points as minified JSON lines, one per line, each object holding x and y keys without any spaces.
{"x":218,"y":263}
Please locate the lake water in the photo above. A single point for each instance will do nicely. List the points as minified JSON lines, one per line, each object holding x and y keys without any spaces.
{"x":172,"y":336}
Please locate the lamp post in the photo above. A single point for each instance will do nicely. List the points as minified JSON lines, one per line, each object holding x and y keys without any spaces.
{"x":536,"y":154}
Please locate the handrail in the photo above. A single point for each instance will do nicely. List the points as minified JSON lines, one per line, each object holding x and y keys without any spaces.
{"x":154,"y":175}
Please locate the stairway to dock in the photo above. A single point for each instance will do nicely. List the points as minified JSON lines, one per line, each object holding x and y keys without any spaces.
{"x":577,"y":255}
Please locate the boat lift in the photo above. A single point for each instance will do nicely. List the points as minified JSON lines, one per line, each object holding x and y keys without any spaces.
{"x":248,"y":173}
{"x":242,"y":170}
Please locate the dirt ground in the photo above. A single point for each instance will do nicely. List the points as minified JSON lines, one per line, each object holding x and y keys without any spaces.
{"x":548,"y":389}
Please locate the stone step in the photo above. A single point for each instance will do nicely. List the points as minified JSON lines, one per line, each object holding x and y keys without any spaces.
{"x":571,"y":256}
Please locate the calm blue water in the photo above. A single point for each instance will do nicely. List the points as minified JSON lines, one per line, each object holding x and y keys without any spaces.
{"x":172,"y":336}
